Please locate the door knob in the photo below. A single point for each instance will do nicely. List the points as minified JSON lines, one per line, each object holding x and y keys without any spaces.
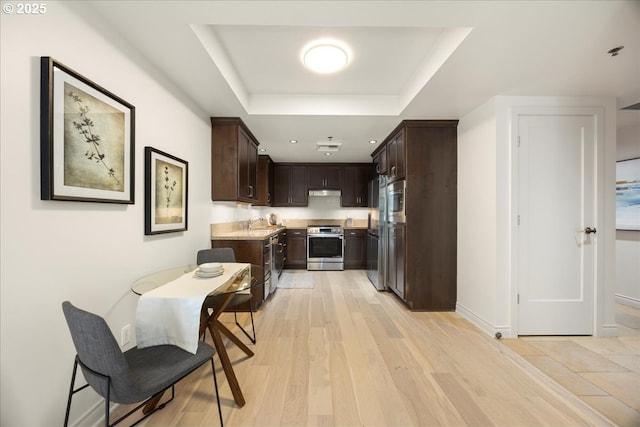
{"x":590,"y":230}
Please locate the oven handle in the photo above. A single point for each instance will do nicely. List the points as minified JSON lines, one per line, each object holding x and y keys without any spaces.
{"x":332,"y":236}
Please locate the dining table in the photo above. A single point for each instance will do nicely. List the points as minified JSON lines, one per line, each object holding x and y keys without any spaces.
{"x":170,"y":311}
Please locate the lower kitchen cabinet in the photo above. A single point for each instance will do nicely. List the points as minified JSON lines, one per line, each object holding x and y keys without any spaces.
{"x":296,"y":257}
{"x":355,"y":248}
{"x":396,"y":258}
{"x":254,"y":252}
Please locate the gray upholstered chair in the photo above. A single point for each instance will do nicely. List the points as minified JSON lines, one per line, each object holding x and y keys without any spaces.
{"x":137,"y":375}
{"x":227,"y":255}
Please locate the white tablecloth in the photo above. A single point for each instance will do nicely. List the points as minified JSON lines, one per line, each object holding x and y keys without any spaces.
{"x":170,"y":314}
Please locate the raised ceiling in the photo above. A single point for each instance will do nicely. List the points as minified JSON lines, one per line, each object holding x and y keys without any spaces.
{"x":411,"y":60}
{"x":269,"y":77}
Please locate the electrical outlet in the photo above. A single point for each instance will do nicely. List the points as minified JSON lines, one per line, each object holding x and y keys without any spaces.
{"x":125,"y":335}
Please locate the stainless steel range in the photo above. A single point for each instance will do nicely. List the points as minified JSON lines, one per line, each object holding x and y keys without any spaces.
{"x":325,"y":247}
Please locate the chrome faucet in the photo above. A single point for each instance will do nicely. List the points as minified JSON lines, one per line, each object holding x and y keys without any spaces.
{"x":253,"y":222}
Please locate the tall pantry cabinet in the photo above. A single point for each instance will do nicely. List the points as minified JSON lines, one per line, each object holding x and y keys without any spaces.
{"x":422,"y":252}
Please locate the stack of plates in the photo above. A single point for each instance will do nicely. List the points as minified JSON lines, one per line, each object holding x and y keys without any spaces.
{"x":209,"y":269}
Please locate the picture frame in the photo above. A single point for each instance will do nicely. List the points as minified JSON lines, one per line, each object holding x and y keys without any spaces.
{"x":166,"y":192}
{"x":628,"y":194}
{"x":87,"y":139}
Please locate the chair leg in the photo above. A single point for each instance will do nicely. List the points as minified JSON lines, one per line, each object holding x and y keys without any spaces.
{"x":73,"y":380}
{"x":235,"y":311}
{"x":215,"y":383}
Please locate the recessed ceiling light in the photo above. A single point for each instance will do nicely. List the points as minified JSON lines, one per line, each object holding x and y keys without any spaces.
{"x":325,"y":56}
{"x":262,"y":150}
{"x":372,"y":141}
{"x":293,"y":141}
{"x":327,"y":154}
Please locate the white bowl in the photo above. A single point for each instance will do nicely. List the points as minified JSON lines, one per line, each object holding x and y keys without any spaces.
{"x":211,"y":266}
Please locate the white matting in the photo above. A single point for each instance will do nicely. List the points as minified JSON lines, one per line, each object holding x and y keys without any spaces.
{"x":296,"y":280}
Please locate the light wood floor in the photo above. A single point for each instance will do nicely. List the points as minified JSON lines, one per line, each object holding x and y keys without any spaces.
{"x":603,"y":372}
{"x":343,"y":354}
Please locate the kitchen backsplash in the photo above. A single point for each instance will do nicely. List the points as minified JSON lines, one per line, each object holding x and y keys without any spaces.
{"x":233,"y":217}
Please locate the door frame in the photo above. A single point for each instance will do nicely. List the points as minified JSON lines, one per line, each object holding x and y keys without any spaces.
{"x":603,"y":296}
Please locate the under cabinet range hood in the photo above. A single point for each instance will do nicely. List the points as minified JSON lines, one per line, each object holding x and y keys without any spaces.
{"x":324,"y":193}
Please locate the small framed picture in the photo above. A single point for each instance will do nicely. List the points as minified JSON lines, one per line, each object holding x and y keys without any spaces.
{"x":86,"y":139}
{"x":166,"y":192}
{"x":628,"y":194}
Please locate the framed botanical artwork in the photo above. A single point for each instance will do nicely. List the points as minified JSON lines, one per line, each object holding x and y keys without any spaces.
{"x":86,"y":139}
{"x":166,"y":188}
{"x":628,"y":194}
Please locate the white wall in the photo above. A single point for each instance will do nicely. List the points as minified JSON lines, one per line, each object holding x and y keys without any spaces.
{"x":491,"y":125}
{"x":477,"y":261}
{"x":628,"y":242}
{"x":88,"y":253}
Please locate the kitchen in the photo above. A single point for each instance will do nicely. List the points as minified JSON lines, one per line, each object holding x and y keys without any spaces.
{"x":53,"y":251}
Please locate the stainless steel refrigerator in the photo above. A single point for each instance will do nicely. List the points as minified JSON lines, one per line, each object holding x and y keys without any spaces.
{"x":377,"y":235}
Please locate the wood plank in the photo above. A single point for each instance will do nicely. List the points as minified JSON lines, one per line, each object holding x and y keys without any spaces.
{"x":343,"y":353}
{"x":621,"y":414}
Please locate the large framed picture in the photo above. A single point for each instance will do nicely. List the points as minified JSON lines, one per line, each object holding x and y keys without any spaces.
{"x":166,"y":192}
{"x":628,"y":194}
{"x":86,"y":139}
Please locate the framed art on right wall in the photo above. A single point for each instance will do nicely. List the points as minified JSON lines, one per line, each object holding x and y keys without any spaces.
{"x":628,"y":194}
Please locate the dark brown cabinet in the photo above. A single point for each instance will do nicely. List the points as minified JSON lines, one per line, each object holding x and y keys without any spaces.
{"x":290,"y":185}
{"x":396,"y":258}
{"x":234,"y":161}
{"x":396,"y":156}
{"x":355,"y":185}
{"x":265,"y":181}
{"x":380,"y":161}
{"x":296,"y":248}
{"x":324,"y":177}
{"x":252,"y":251}
{"x":421,"y":263}
{"x":355,"y":248}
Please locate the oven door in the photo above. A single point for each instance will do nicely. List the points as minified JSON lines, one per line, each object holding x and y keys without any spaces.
{"x":395,"y":201}
{"x":325,"y":252}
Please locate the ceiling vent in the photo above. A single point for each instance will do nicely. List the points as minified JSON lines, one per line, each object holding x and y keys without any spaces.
{"x":328,"y":146}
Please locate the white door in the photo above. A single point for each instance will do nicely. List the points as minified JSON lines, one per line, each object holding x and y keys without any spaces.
{"x":556,"y":201}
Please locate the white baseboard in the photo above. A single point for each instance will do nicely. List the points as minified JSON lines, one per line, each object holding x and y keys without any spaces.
{"x":482,"y":324}
{"x":94,"y":416}
{"x":608,"y":331}
{"x":630,"y":301}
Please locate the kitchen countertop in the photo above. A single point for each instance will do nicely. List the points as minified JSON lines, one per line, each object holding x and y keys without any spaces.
{"x":260,"y":233}
{"x":255,"y":234}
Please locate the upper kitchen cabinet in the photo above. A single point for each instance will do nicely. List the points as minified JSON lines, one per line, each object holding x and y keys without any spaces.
{"x":234,"y":161}
{"x":396,"y":155}
{"x":265,"y":181}
{"x":290,"y":185}
{"x":380,"y":161}
{"x":355,"y":181}
{"x":324,"y":177}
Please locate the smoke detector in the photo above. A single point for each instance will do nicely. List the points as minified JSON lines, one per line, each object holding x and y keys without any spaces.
{"x":329,"y":146}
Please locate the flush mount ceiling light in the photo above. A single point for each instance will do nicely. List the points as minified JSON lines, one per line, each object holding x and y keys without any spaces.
{"x":325,"y":56}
